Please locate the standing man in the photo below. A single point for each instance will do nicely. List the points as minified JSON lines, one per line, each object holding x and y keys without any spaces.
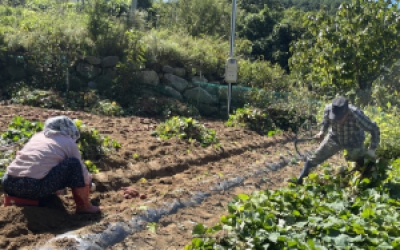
{"x":347,"y":125}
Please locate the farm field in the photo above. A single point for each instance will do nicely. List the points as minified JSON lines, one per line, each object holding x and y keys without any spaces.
{"x":165,"y":171}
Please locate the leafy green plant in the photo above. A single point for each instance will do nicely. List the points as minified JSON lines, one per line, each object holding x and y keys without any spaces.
{"x":273,"y":77}
{"x":328,"y":212}
{"x":389,"y":125}
{"x":20,"y":130}
{"x":91,"y":167}
{"x":106,"y":107}
{"x":324,"y":56}
{"x":251,"y":118}
{"x":37,"y":98}
{"x":92,"y":145}
{"x":152,"y":227}
{"x":186,"y":128}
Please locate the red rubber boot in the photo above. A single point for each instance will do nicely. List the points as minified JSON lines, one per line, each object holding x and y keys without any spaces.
{"x":83,"y":204}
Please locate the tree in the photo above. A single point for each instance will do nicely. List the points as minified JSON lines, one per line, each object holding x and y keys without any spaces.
{"x":196,"y":17}
{"x":350,"y":48}
{"x":312,"y":5}
{"x":271,"y":31}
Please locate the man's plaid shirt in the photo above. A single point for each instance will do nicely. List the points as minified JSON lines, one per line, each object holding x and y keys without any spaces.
{"x":351,"y":132}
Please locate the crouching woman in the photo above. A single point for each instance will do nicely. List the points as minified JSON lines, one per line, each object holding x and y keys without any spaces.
{"x":48,"y":162}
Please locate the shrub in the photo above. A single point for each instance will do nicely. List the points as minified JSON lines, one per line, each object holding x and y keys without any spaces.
{"x":262,"y":74}
{"x":269,"y":120}
{"x":106,"y":107}
{"x":37,"y":98}
{"x":186,"y":128}
{"x":252,"y":118}
{"x":389,"y":124}
{"x":92,"y":145}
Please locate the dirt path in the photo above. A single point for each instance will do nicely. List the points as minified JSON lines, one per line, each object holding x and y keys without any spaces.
{"x":165,"y":171}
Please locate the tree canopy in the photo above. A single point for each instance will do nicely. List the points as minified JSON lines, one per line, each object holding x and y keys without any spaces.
{"x":350,"y":48}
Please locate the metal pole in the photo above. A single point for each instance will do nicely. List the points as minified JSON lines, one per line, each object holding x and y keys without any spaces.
{"x":233,"y":22}
{"x":133,"y":9}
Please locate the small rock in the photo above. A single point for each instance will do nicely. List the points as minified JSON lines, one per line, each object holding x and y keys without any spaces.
{"x":181,"y":72}
{"x":168,"y":69}
{"x":197,"y":79}
{"x":109,"y":61}
{"x":176,"y":82}
{"x":92,"y":85}
{"x":92,"y":60}
{"x":150,"y":77}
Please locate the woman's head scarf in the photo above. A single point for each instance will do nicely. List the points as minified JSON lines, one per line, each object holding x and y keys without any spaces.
{"x":61,"y":125}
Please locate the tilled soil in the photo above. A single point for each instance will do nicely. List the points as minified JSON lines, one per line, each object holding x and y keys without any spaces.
{"x":162,"y":170}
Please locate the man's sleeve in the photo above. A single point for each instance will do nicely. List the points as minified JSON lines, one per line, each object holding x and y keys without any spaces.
{"x":366,"y":124}
{"x":325,"y":121}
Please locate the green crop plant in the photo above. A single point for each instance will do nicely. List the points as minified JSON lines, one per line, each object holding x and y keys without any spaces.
{"x":188,"y":129}
{"x":330,"y":211}
{"x":20,"y":130}
{"x":92,"y":145}
{"x":253,"y":119}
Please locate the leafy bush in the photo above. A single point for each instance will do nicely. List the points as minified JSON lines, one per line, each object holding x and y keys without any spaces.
{"x":186,"y":128}
{"x":106,"y":107}
{"x":252,"y":118}
{"x":389,"y":124}
{"x":329,"y":212}
{"x":82,"y":100}
{"x":92,"y":145}
{"x":385,"y":96}
{"x":269,"y":120}
{"x":37,"y":98}
{"x":20,"y":131}
{"x":262,"y":74}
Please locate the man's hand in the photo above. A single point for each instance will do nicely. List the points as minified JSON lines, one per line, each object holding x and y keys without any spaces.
{"x":371,"y":153}
{"x":319,"y":136}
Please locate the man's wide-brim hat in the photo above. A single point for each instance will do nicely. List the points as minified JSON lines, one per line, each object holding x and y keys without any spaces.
{"x":340,"y":106}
